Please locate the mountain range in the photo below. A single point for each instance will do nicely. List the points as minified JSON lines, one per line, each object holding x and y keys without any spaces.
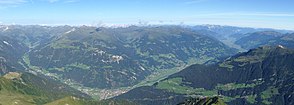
{"x":163,"y":64}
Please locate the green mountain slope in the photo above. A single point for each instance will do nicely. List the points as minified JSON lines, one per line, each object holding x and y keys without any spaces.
{"x":79,"y":101}
{"x":69,"y":101}
{"x":203,"y":101}
{"x":28,"y":89}
{"x":260,"y":76}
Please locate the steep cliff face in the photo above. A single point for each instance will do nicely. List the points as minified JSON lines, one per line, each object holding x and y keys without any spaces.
{"x":260,"y":76}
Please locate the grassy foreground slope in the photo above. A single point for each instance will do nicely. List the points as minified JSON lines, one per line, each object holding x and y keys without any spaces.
{"x":26,"y":89}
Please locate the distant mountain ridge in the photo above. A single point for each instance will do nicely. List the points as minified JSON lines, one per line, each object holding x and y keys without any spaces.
{"x":272,"y":38}
{"x":223,"y":32}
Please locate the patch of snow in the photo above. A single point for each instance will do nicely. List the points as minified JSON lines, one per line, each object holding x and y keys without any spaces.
{"x":72,"y":30}
{"x":6,"y":29}
{"x":116,"y":58}
{"x":100,"y":52}
{"x":280,"y":46}
{"x":142,"y":68}
{"x":7,"y":43}
{"x":122,"y":72}
{"x":33,"y":72}
{"x":105,"y":61}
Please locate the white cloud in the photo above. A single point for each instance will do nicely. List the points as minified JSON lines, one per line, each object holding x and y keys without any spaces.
{"x":12,"y":2}
{"x":269,"y":14}
{"x":8,"y":3}
{"x":194,"y":1}
{"x":71,"y":1}
{"x":249,"y":14}
{"x":64,"y":1}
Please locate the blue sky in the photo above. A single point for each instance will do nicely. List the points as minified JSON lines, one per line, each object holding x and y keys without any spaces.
{"x":250,"y":13}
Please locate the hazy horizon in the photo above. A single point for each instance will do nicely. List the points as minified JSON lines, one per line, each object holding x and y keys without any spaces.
{"x":249,"y":13}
